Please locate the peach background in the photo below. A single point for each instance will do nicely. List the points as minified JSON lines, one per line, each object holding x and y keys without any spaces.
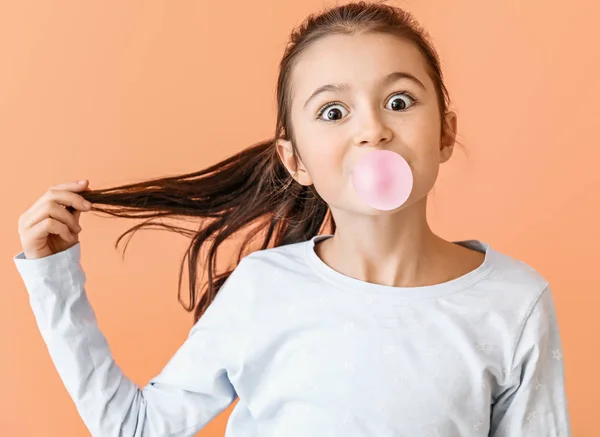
{"x":119,"y":91}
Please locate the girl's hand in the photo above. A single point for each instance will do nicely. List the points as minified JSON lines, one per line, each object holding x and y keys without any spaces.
{"x":48,"y":226}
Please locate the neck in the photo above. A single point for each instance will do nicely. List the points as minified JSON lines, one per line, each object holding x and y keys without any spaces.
{"x":389,"y":249}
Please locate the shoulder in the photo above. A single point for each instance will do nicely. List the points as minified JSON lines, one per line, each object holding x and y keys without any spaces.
{"x":289,"y":257}
{"x":515,"y":286}
{"x":513,"y":271}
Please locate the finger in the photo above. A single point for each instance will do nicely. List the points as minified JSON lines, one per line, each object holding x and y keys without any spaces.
{"x":68,"y":187}
{"x":55,"y":211}
{"x":71,"y":185}
{"x":49,"y":226}
{"x":55,"y":193}
{"x":49,"y":207}
{"x":76,"y":214}
{"x":68,"y":199}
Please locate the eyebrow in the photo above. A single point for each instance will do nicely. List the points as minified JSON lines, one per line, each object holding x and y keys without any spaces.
{"x":390,"y":78}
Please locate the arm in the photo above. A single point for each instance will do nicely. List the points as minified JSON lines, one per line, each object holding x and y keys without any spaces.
{"x":533,"y":401}
{"x":189,"y":392}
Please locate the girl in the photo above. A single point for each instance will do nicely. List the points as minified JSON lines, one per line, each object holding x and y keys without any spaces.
{"x":377,"y":328}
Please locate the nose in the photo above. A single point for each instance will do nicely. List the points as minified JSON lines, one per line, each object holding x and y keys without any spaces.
{"x":373,"y":131}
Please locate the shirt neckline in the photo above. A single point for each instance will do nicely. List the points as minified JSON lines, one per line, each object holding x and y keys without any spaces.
{"x":435,"y":290}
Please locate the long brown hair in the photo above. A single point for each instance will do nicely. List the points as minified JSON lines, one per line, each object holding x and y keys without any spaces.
{"x":253,"y":187}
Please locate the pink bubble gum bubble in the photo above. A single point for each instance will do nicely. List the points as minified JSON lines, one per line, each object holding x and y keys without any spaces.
{"x":383,"y":179}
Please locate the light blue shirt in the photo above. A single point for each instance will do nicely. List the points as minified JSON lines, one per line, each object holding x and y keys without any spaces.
{"x":311,"y":352}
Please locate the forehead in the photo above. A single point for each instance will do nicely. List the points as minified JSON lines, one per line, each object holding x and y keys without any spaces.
{"x":360,"y":60}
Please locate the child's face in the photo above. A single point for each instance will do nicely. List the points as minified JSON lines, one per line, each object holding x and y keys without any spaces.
{"x":369,"y":116}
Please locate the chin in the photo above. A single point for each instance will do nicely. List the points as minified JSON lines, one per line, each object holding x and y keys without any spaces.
{"x":359,"y":207}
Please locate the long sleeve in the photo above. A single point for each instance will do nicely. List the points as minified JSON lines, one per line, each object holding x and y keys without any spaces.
{"x":534,"y":403}
{"x":190,"y":390}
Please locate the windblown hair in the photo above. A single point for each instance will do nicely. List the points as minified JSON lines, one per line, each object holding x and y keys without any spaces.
{"x":253,"y":187}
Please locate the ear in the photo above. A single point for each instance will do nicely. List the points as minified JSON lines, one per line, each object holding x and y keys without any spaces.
{"x":448,"y":140}
{"x":297,"y":170}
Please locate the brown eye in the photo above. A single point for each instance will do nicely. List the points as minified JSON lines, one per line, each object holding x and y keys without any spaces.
{"x":399,"y":104}
{"x":330,"y":110}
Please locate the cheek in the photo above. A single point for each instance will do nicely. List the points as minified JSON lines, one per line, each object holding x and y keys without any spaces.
{"x":420,"y":131}
{"x":325,"y":162}
{"x":425,"y":167}
{"x":423,"y":141}
{"x":320,"y":153}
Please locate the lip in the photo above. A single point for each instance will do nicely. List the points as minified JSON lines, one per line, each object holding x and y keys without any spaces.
{"x":362,"y":155}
